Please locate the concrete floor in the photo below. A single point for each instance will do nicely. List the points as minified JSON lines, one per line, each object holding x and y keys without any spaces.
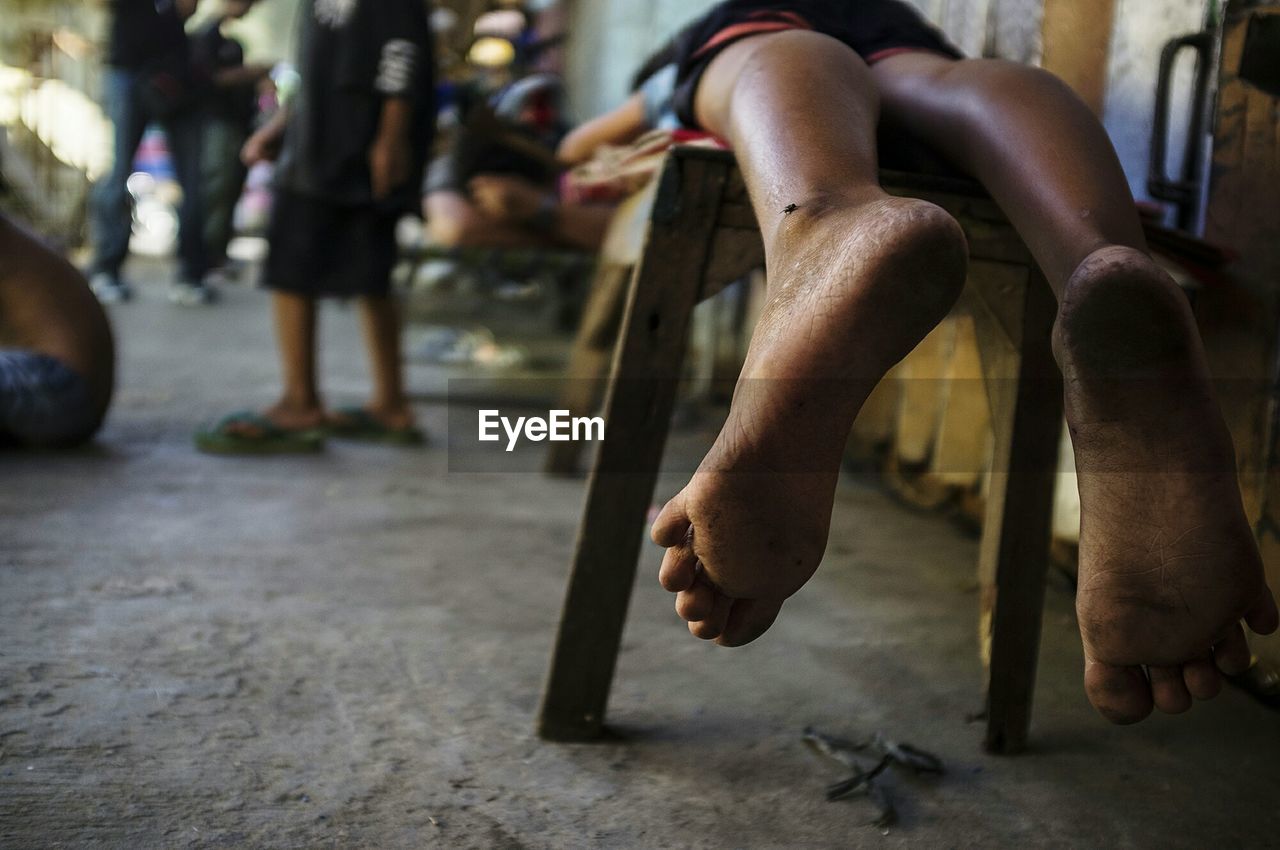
{"x":347,"y":651}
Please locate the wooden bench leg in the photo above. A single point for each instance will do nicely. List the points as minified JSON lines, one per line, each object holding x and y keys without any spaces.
{"x":1019,"y":516}
{"x":590,"y":360}
{"x":646,"y":369}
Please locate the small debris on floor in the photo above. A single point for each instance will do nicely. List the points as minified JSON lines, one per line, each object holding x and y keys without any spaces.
{"x":863,"y":782}
{"x":451,"y":346}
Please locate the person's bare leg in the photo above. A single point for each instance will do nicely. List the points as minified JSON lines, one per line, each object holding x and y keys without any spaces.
{"x":454,"y":222}
{"x":381,"y":319}
{"x":856,"y":279}
{"x":299,"y":407}
{"x":1168,"y":563}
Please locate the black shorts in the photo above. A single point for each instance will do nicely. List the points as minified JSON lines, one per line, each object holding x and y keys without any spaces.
{"x":319,"y":248}
{"x":874,"y":29}
{"x":43,"y":401}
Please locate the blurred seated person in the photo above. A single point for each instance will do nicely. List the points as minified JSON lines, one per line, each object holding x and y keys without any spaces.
{"x":57,"y":357}
{"x":509,"y":211}
{"x":496,"y":187}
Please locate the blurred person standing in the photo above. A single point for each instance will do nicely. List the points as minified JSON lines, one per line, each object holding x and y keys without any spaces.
{"x":150,"y":78}
{"x":229,"y":106}
{"x":353,"y":140}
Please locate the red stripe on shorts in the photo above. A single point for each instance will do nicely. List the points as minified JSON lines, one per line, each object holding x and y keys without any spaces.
{"x":762,"y":22}
{"x":881,"y":55}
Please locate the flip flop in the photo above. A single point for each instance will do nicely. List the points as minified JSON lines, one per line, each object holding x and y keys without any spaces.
{"x":356,"y":423}
{"x":271,"y":439}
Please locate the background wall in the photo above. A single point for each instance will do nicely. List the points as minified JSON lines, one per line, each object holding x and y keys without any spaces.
{"x":1141,"y":29}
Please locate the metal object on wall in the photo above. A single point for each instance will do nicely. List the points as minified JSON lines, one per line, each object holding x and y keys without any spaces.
{"x":1186,"y":190}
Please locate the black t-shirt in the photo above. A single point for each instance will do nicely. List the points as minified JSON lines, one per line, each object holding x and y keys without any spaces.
{"x":354,"y":54}
{"x":145,"y":34}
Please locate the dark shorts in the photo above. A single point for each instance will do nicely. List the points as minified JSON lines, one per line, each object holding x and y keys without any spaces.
{"x":319,"y":248}
{"x":874,"y":29}
{"x":43,"y":402}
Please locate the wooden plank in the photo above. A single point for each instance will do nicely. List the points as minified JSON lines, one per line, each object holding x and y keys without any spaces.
{"x":1076,"y":35}
{"x":590,"y":359}
{"x":734,"y":255}
{"x":625,"y":239}
{"x":638,"y":409}
{"x":960,"y":453}
{"x":1014,"y":554}
{"x":876,"y":420}
{"x":920,"y":407}
{"x":593,"y":345}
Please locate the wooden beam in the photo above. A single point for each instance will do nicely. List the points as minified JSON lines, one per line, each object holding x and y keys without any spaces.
{"x":646,"y":369}
{"x":1077,"y":45}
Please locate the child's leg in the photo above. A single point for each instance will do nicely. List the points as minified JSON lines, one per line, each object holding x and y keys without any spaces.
{"x":1032,"y":143}
{"x":381,"y":320}
{"x":299,"y":406}
{"x":856,"y":279}
{"x":1168,"y":565}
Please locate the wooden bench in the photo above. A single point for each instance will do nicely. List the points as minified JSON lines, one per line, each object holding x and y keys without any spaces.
{"x":694,"y":231}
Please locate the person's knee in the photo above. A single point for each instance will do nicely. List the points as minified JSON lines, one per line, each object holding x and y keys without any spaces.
{"x":452,"y":222}
{"x":779,"y":66}
{"x":459,"y":231}
{"x":447,"y":232}
{"x":1033,"y":79}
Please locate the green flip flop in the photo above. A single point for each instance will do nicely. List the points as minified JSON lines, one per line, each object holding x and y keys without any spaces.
{"x":270,"y":438}
{"x":356,"y":423}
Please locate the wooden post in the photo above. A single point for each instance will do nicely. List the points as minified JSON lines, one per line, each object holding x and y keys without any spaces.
{"x":1014,"y":556}
{"x":590,"y":360}
{"x":1077,"y":45}
{"x":646,"y":369}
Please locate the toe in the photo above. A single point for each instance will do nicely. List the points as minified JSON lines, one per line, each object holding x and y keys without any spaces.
{"x":714,"y":624}
{"x":748,"y":619}
{"x":1120,"y":694}
{"x":1231,"y":654}
{"x":1201,"y":679}
{"x":679,"y":569}
{"x":697,"y":602}
{"x":1169,"y":690}
{"x":1263,"y":617}
{"x":672,"y":525}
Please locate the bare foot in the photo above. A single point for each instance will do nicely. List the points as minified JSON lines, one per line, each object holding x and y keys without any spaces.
{"x":393,"y":417}
{"x":1168,"y":563}
{"x":853,"y":289}
{"x":286,"y":415}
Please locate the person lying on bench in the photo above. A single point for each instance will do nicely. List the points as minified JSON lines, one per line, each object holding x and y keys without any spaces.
{"x":1168,"y":562}
{"x":57,"y":357}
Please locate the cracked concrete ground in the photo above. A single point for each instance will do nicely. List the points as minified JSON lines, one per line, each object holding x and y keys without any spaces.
{"x":347,"y":651}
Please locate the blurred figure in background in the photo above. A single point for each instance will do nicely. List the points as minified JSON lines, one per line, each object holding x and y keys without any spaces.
{"x":353,"y":140}
{"x":229,"y":107}
{"x":57,"y":358}
{"x":497,"y":185}
{"x":149,"y":78}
